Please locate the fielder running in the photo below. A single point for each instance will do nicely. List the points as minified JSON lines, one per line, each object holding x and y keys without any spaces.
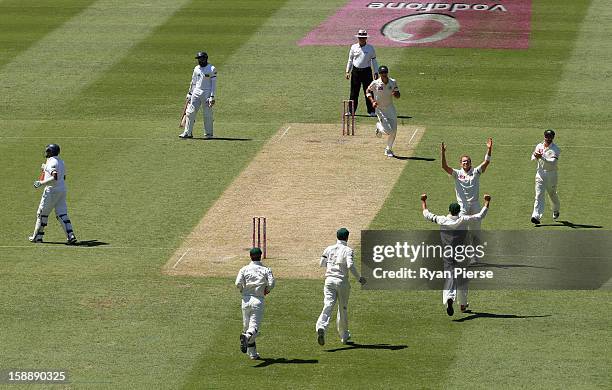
{"x":201,"y":93}
{"x":547,"y":155}
{"x":453,"y":229}
{"x":52,"y":176}
{"x":338,"y":259}
{"x":381,"y":93}
{"x":254,"y":281}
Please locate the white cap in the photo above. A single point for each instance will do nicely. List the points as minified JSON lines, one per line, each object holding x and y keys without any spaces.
{"x":362,"y":34}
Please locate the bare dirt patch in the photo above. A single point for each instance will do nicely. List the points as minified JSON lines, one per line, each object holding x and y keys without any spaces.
{"x":308,"y":181}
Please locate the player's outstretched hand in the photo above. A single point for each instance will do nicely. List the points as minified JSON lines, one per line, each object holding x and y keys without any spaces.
{"x":362,"y":280}
{"x":423,"y":196}
{"x":37,"y":183}
{"x":443,"y":147}
{"x":487,"y":197}
{"x":489,"y":143}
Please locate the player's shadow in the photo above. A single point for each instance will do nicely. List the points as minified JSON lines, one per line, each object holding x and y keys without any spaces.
{"x":351,"y":345}
{"x":85,"y":243}
{"x":374,"y":117}
{"x":221,"y":139}
{"x":475,"y":315}
{"x":570,"y":225}
{"x":265,"y":362}
{"x":413,"y":158}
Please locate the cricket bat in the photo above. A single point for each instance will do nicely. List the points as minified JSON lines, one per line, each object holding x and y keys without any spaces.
{"x":184,"y":114}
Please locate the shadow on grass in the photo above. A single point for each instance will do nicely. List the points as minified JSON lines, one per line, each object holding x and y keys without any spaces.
{"x":570,"y":225}
{"x":475,"y":315}
{"x":368,"y":116}
{"x":220,"y":139}
{"x":85,"y":243}
{"x":414,"y":158}
{"x":265,"y":362}
{"x":352,"y":345}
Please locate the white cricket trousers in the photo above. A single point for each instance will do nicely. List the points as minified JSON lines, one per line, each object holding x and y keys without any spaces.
{"x":473,"y":236}
{"x":252,"y":315}
{"x":545,"y":181}
{"x":454,"y":288}
{"x":335,"y":290}
{"x":387,"y":123}
{"x":192,"y":109}
{"x":50,"y":200}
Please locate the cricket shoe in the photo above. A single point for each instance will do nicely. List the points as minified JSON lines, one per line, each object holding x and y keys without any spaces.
{"x":72,"y":240}
{"x":378,"y":133}
{"x":243,"y":342}
{"x":321,"y":336}
{"x":372,"y":113}
{"x":389,"y":153}
{"x":555,"y":215}
{"x":535,"y":220}
{"x":185,"y":136}
{"x":35,"y":239}
{"x":208,"y":136}
{"x":348,"y":113}
{"x":346,"y":339}
{"x":465,"y":307}
{"x":254,"y":357}
{"x":449,"y":307}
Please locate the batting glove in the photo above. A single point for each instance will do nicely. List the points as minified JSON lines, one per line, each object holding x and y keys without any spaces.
{"x":37,"y":184}
{"x":362,"y":280}
{"x":210,"y":101}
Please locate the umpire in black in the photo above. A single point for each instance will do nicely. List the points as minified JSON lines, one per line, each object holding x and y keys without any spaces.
{"x":361,"y":61}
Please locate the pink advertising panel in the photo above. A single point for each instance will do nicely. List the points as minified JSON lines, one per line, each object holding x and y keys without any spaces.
{"x":502,"y":24}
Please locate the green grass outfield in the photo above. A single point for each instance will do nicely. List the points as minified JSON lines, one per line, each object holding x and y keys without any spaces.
{"x":106,"y":81}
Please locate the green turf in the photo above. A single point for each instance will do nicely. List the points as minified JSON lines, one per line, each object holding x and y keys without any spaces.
{"x":108,"y":315}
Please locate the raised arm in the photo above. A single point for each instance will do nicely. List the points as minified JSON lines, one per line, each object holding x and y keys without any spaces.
{"x":445,"y":166}
{"x":487,"y":158}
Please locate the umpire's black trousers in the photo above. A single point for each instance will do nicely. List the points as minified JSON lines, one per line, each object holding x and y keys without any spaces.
{"x":361,"y":77}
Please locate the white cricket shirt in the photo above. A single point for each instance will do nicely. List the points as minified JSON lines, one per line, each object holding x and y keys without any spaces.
{"x":203,"y":80}
{"x":253,"y":279}
{"x":550,"y":156}
{"x":454,"y":222}
{"x":467,"y":185}
{"x":383,"y":93}
{"x":55,"y":164}
{"x":338,"y":259}
{"x":362,"y":57}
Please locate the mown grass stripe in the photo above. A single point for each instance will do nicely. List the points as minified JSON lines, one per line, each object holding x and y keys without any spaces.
{"x":40,"y":80}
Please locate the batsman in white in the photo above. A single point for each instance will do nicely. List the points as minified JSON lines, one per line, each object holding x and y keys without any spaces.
{"x":547,"y":155}
{"x":201,"y":93}
{"x":52,"y":177}
{"x":453,"y":230}
{"x":467,"y":185}
{"x":254,"y":281}
{"x":338,"y":260}
{"x":381,"y":93}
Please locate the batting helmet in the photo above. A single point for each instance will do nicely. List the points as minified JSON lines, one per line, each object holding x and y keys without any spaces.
{"x":201,"y":54}
{"x":549,"y":133}
{"x":52,"y":149}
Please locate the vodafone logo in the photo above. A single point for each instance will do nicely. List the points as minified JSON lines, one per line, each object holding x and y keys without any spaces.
{"x":397,"y":30}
